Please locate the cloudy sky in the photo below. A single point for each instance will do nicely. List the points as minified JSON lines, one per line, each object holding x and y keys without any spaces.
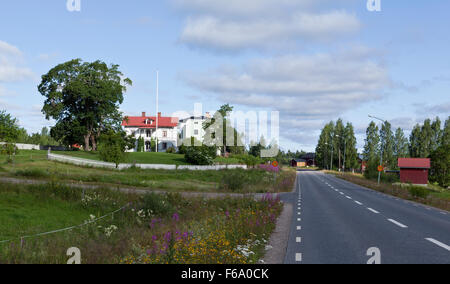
{"x":311,"y":60}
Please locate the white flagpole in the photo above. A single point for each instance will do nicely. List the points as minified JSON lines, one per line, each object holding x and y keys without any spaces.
{"x":157,"y":108}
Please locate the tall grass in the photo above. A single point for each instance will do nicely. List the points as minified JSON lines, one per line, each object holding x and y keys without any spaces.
{"x":129,"y":232}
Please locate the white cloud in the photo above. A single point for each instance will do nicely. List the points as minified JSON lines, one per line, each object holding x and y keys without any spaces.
{"x":308,"y":90}
{"x":309,"y":85}
{"x":11,"y":69}
{"x":228,"y":34}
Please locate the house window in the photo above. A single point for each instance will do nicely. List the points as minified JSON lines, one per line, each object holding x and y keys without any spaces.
{"x":164,"y":134}
{"x":148,"y":146}
{"x":164,"y":146}
{"x":196,"y":132}
{"x":149,"y":133}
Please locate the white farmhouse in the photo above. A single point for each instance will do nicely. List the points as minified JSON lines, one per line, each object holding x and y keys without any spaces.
{"x":165,"y":129}
{"x":192,"y":127}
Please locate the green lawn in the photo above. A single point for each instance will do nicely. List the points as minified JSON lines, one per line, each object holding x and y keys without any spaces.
{"x":24,"y":212}
{"x":138,"y":158}
{"x":34,"y":165}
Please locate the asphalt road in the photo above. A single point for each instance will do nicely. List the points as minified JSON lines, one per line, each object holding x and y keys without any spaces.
{"x":337,"y":222}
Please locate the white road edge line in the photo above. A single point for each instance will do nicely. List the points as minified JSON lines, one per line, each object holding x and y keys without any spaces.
{"x":397,"y":223}
{"x":442,"y":245}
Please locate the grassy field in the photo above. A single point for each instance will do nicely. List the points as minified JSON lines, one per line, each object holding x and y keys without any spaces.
{"x":33,"y":165}
{"x":431,"y":195}
{"x":151,"y":229}
{"x":138,"y":158}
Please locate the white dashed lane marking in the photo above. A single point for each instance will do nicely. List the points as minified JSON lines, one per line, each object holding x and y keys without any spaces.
{"x":298,"y":257}
{"x":298,"y":240}
{"x":442,"y":245}
{"x":359,"y":203}
{"x":374,"y":211}
{"x":397,"y":223}
{"x":299,"y":228}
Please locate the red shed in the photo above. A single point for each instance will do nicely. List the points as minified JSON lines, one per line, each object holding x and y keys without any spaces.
{"x":414,"y":171}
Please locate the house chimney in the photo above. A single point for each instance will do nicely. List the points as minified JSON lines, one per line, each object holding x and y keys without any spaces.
{"x":143,"y":114}
{"x":159,"y":114}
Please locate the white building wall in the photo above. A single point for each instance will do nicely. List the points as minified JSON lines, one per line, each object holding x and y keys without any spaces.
{"x":192,"y":128}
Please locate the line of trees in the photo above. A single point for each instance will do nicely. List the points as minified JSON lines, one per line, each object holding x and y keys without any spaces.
{"x":337,"y":146}
{"x":429,"y":140}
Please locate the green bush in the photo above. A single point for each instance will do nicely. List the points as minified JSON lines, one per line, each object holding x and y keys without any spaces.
{"x":171,"y":150}
{"x":157,"y":204}
{"x":249,"y":160}
{"x":113,"y":145}
{"x":202,"y":155}
{"x":419,"y":191}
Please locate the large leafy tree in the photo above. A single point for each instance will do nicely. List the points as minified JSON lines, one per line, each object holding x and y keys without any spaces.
{"x":445,"y":139}
{"x":339,"y":143}
{"x":83,"y":98}
{"x":9,"y":128}
{"x":440,"y":170}
{"x":351,"y":153}
{"x":401,"y":146}
{"x":217,"y":130}
{"x":323,"y":149}
{"x":414,"y":142}
{"x":387,"y":145}
{"x":371,"y":148}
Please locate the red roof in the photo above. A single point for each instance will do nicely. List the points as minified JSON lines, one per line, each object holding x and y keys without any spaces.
{"x":139,"y":121}
{"x":417,"y":163}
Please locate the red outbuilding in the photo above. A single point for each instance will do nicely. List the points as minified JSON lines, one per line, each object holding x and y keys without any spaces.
{"x":414,"y":171}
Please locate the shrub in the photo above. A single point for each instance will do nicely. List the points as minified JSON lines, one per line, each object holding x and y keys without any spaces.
{"x":203,"y":155}
{"x":418,"y":191}
{"x":9,"y":149}
{"x":171,"y":150}
{"x":112,"y":147}
{"x":158,"y":204}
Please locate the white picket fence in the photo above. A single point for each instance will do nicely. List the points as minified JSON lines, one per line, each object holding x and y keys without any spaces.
{"x":99,"y":164}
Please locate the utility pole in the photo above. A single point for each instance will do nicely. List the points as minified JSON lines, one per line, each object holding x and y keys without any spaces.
{"x":157,"y":109}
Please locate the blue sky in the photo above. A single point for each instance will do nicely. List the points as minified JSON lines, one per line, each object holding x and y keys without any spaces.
{"x":313,"y":61}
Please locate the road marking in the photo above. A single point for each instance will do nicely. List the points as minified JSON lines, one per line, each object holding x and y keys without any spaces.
{"x":298,"y":257}
{"x":442,"y":245}
{"x":374,"y":211}
{"x":443,"y":213}
{"x":299,"y":219}
{"x":348,"y":197}
{"x":359,"y":203}
{"x":299,"y":228}
{"x":299,"y":213}
{"x":298,"y":240}
{"x":397,"y":223}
